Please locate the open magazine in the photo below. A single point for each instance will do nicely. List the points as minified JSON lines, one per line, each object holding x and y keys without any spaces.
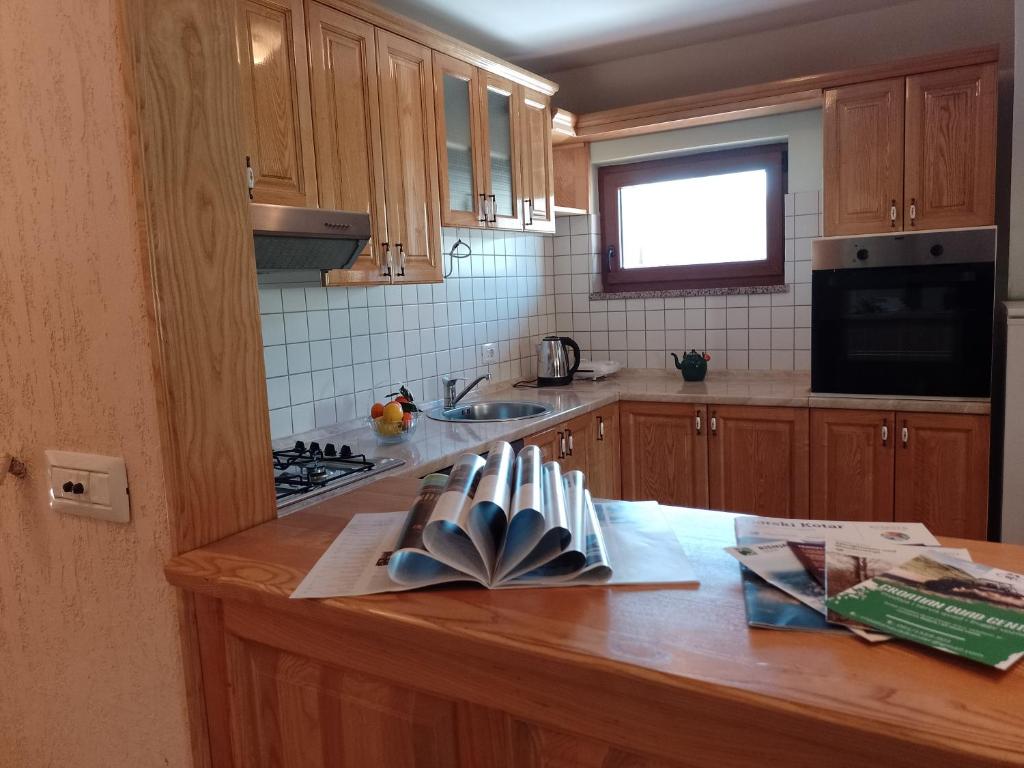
{"x":504,"y":521}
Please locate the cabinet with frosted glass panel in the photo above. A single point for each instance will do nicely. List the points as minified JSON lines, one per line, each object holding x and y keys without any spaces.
{"x":494,"y":150}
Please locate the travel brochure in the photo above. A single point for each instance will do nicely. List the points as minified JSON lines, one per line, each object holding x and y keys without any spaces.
{"x":879,"y":581}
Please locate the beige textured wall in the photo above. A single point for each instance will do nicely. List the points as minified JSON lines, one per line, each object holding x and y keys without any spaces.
{"x":90,"y":663}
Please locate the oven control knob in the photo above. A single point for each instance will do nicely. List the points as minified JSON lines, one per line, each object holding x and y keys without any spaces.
{"x":330,"y":450}
{"x":346,"y":452}
{"x":314,"y":449}
{"x":936,"y":250}
{"x":862,"y":254}
{"x":300,"y":446}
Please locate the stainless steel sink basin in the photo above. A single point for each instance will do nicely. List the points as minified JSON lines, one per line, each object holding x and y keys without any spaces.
{"x":508,"y":410}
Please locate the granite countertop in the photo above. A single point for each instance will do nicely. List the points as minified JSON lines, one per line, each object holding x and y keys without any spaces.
{"x":438,"y":444}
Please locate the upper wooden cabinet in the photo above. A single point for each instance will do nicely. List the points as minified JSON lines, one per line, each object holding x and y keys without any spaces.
{"x":863,"y":134}
{"x":537,"y":163}
{"x":457,"y":109}
{"x":664,"y":453}
{"x":757,"y":460}
{"x":409,"y":141}
{"x":951,"y":148}
{"x":911,"y":153}
{"x":501,"y":141}
{"x":277,"y":127}
{"x":346,"y":128}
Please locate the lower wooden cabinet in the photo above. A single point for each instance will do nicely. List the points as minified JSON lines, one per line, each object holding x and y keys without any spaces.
{"x":941,"y":473}
{"x":550,"y":442}
{"x":664,"y":453}
{"x":605,"y":460}
{"x":851,"y":464}
{"x":757,"y":460}
{"x":588,"y":443}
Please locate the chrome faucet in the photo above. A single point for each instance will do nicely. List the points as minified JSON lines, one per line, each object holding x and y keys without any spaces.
{"x":450,"y":398}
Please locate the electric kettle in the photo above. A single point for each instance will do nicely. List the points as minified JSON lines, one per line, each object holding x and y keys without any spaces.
{"x":553,"y":361}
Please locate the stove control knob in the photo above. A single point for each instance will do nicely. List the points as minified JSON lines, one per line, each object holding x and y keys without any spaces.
{"x":330,"y":450}
{"x":346,"y":452}
{"x":314,"y":448}
{"x":300,"y":446}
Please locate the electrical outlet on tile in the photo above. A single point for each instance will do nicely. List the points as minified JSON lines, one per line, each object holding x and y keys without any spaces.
{"x":489,"y":354}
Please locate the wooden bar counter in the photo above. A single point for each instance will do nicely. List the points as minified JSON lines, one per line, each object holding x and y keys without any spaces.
{"x":583,"y":677}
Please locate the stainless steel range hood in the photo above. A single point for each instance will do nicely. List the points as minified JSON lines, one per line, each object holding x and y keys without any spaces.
{"x":292,"y":238}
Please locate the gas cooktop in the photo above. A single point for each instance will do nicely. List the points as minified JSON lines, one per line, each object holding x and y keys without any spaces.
{"x":302,"y":471}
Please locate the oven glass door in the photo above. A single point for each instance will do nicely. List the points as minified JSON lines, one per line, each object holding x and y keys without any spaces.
{"x":919,"y":330}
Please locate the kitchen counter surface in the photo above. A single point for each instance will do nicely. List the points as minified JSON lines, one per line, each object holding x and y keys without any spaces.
{"x":674,"y":675}
{"x":438,"y":444}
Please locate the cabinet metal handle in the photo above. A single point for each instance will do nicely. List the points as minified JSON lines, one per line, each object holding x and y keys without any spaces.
{"x":401,"y":259}
{"x":600,"y":428}
{"x":250,"y":176}
{"x":714,"y":424}
{"x":528,"y":208}
{"x":494,"y":210}
{"x":569,"y":432}
{"x":387,"y":260}
{"x":905,"y":435}
{"x":697,"y":420}
{"x":885,"y":434}
{"x":483,"y":208}
{"x":892,"y":213}
{"x":913,"y":211}
{"x":561,"y":445}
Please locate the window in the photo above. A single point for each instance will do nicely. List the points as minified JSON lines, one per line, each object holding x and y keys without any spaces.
{"x":710,"y":220}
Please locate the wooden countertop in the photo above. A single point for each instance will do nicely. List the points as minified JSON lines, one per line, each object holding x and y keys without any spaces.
{"x":674,"y":668}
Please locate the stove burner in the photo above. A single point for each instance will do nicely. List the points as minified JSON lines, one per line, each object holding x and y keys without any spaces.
{"x":304,"y":469}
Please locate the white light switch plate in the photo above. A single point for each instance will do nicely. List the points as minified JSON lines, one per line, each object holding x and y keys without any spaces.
{"x":101,"y":483}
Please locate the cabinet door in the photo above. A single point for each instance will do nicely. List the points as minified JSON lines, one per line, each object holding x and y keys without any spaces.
{"x":457,"y":104}
{"x":551,"y":444}
{"x":942,"y":472}
{"x":346,"y":125}
{"x":863,"y":144}
{"x":537,"y":162}
{"x":852,"y":464}
{"x":500,"y":129}
{"x":579,"y":436}
{"x":410,"y":158}
{"x":664,"y":453}
{"x":951,"y":148}
{"x":605,"y":478}
{"x":757,"y":460}
{"x":277,"y":127}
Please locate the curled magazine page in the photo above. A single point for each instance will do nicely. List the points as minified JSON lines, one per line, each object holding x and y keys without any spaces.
{"x":526,"y":523}
{"x":410,"y":564}
{"x":596,"y":568}
{"x":488,"y":516}
{"x":446,"y":535}
{"x":551,"y":536}
{"x":572,"y":559}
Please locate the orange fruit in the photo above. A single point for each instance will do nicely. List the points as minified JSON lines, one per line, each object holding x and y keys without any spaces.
{"x":393,"y":413}
{"x":407,"y":420}
{"x":377,"y":410}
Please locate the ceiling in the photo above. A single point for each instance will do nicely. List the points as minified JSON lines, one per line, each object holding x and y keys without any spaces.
{"x":551,"y":35}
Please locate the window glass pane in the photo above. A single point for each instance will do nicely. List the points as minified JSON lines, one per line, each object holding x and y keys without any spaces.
{"x":499,"y":122}
{"x":458,"y":138}
{"x":718,"y":219}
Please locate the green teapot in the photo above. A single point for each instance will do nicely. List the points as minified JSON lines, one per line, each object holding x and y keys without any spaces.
{"x":694,"y":365}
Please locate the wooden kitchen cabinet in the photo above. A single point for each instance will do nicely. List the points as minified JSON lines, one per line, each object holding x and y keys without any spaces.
{"x":409,"y":140}
{"x":551,"y":443}
{"x":914,"y":152}
{"x":757,"y":460}
{"x":459,"y":156}
{"x":571,"y":164}
{"x":537,"y":163}
{"x":664,"y":453}
{"x":346,"y":128}
{"x":951,"y":148}
{"x":941,"y":472}
{"x":579,"y":438}
{"x":863,"y":138}
{"x":500,"y":138}
{"x":605,"y":477}
{"x":277,"y":129}
{"x":852,"y":464}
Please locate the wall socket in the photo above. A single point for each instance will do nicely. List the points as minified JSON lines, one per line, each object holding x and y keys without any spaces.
{"x":489,"y":353}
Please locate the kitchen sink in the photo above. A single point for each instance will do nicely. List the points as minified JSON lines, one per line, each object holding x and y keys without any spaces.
{"x":491,"y":411}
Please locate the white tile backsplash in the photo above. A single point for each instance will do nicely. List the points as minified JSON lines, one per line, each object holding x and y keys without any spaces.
{"x":330,"y":353}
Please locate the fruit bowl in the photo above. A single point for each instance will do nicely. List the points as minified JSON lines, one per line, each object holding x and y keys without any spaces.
{"x":394,"y":432}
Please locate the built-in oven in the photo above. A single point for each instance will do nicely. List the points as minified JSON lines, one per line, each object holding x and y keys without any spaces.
{"x":907,"y":314}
